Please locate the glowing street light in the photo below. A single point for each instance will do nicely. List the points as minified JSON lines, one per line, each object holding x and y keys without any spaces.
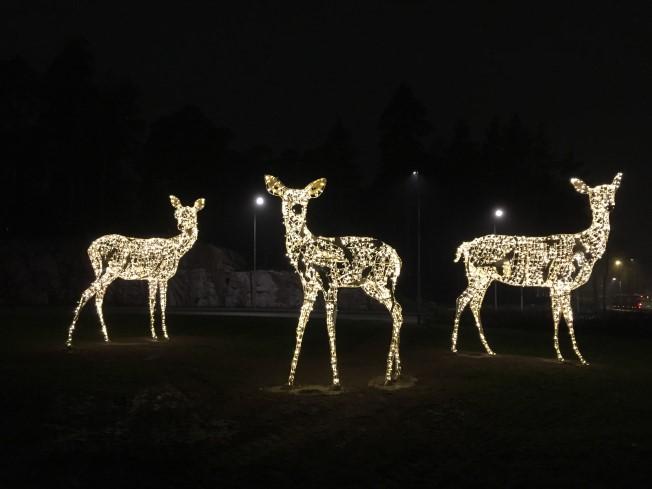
{"x":618,"y":263}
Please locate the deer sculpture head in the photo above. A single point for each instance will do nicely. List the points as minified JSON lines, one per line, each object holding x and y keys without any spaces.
{"x":602,"y":198}
{"x":294,"y":201}
{"x":186,"y":216}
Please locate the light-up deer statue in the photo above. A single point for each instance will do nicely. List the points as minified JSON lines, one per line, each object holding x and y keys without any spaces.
{"x":561,"y":262}
{"x":155,"y":260}
{"x":328,"y":264}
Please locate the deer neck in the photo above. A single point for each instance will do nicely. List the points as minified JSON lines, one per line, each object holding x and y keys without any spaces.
{"x":295,"y":238}
{"x":184,"y":241}
{"x":595,"y":237}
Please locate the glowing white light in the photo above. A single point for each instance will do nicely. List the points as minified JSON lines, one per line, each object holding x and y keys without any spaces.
{"x":618,"y":263}
{"x":259,"y":201}
{"x":328,"y":264}
{"x":415,"y":172}
{"x":561,"y":262}
{"x":155,"y":260}
{"x":498,"y":213}
{"x":613,"y":279}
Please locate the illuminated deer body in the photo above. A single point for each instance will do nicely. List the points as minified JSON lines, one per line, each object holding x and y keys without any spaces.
{"x":561,"y":262}
{"x":155,"y":260}
{"x":328,"y":264}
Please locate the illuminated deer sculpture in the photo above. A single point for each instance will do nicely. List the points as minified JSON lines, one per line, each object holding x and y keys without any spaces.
{"x":328,"y":264}
{"x":155,"y":260}
{"x":561,"y":262}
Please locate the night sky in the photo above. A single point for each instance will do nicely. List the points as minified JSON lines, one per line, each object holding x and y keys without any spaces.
{"x":279,"y":73}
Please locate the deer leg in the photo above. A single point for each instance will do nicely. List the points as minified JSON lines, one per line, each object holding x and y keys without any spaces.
{"x":567,"y":311}
{"x":397,"y":321}
{"x":99,"y":300}
{"x":556,"y":314}
{"x":153,"y":286}
{"x":386,"y":297}
{"x":306,"y":309}
{"x":462,"y":301}
{"x":93,"y":289}
{"x":476,"y":304}
{"x":163,"y":295}
{"x":331,"y":311}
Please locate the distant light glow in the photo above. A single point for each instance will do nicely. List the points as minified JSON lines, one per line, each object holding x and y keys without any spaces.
{"x":618,"y":263}
{"x":499,"y":213}
{"x":328,"y":264}
{"x":561,"y":262}
{"x":613,"y":279}
{"x":415,"y":172}
{"x":155,"y":260}
{"x":259,"y":201}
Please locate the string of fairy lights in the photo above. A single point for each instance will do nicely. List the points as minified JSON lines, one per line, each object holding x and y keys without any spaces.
{"x":154,"y":260}
{"x":326,"y":264}
{"x":560,"y":262}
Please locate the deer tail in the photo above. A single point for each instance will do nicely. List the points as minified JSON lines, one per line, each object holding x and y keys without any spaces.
{"x":462,"y":249}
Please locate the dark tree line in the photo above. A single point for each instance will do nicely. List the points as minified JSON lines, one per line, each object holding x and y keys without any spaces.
{"x":79,"y":159}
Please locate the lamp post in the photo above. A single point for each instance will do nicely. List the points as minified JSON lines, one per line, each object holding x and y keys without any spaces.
{"x":618,"y":264}
{"x":498,"y":214}
{"x":415,"y":174}
{"x":252,"y":301}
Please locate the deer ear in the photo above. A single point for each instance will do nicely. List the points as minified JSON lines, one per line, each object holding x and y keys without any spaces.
{"x":176,"y":203}
{"x":274,"y":186}
{"x":315,"y":188}
{"x":199,"y":204}
{"x":617,"y":179}
{"x":580,"y":186}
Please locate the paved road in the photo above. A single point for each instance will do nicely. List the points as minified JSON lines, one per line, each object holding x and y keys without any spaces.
{"x":408,"y":318}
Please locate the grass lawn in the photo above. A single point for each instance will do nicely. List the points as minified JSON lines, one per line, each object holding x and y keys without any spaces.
{"x":194,"y":412}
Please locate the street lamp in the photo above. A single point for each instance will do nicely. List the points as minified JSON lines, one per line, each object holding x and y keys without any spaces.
{"x":415,"y":174}
{"x":259,"y":201}
{"x":498,"y":214}
{"x":620,"y":284}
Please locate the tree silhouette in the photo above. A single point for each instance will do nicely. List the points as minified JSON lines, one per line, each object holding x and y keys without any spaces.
{"x":402,"y":127}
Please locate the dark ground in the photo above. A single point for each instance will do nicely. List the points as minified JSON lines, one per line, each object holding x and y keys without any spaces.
{"x":191,"y":412}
